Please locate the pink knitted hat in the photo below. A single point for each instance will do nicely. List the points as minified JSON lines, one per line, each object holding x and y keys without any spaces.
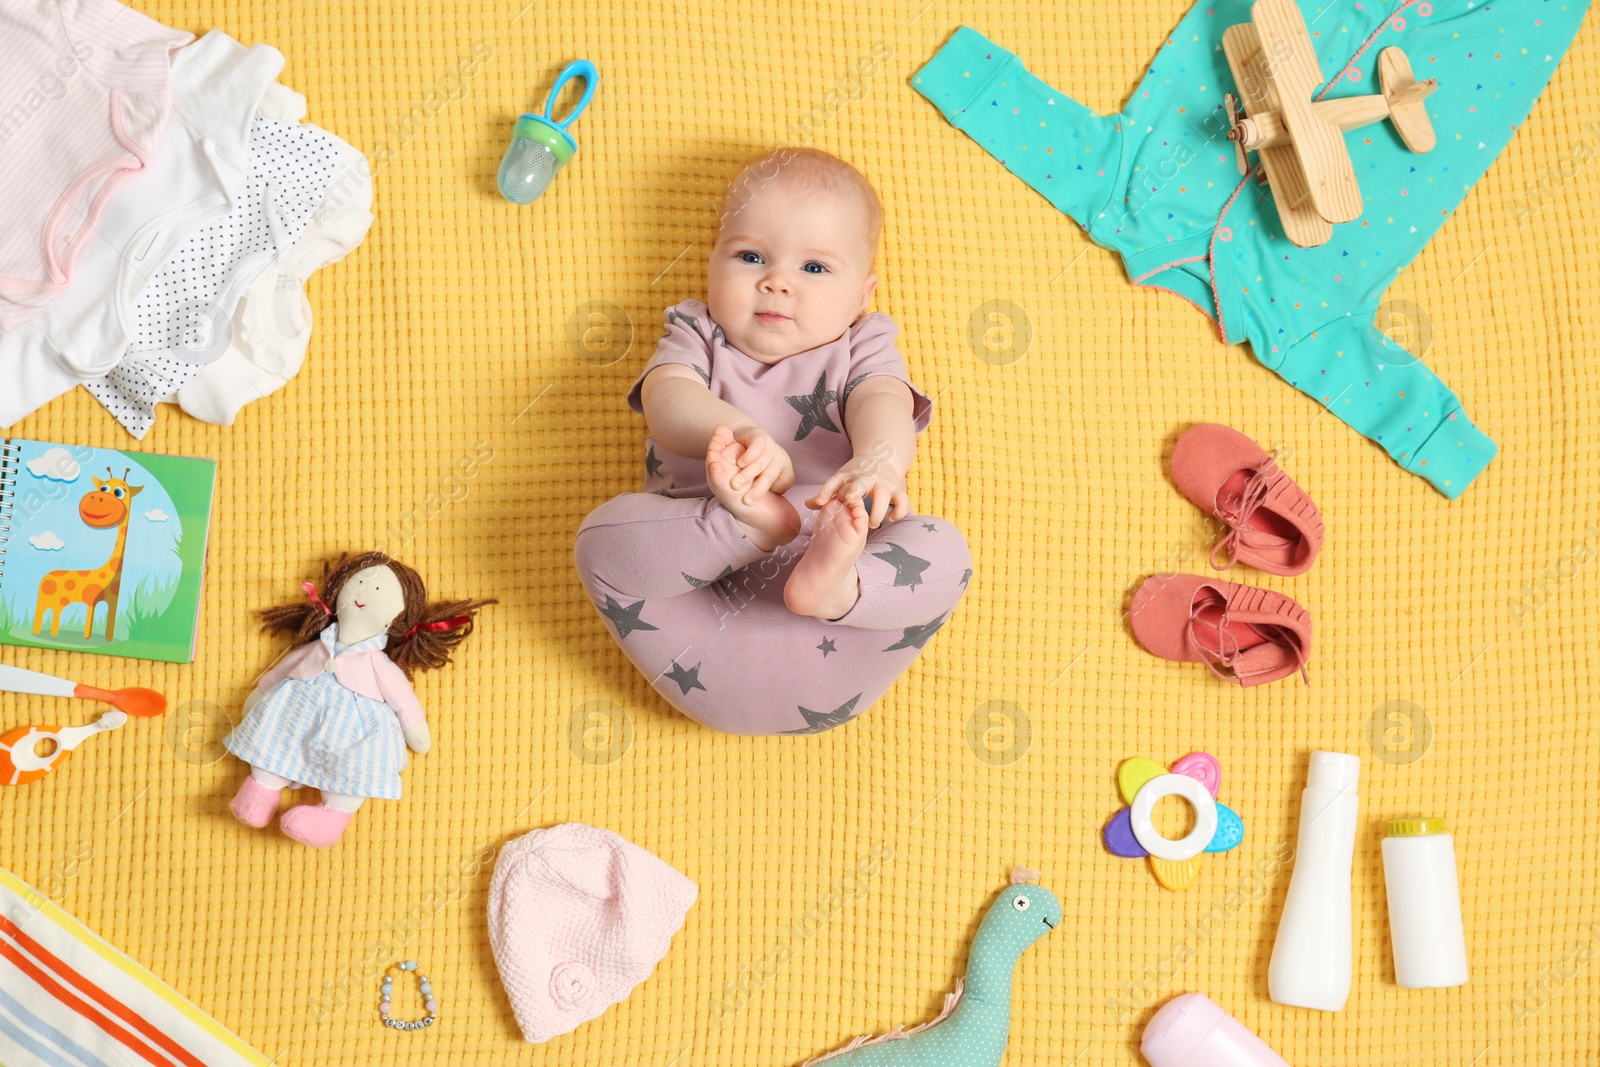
{"x":577,"y":917}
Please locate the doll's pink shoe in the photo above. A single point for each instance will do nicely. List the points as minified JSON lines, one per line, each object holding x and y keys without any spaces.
{"x":1274,"y":525}
{"x":1242,"y":634}
{"x":316,"y":825}
{"x":254,"y":804}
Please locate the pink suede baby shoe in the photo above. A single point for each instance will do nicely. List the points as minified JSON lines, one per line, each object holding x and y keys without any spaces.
{"x":578,"y":916}
{"x":1242,"y":634}
{"x":1274,"y":526}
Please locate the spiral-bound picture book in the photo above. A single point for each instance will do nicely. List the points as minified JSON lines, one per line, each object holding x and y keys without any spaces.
{"x":101,"y":550}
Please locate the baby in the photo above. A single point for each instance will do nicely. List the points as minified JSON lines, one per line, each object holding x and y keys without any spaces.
{"x":773,"y":578}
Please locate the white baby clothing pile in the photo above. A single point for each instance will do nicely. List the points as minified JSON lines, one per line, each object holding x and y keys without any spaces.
{"x":62,"y":62}
{"x":171,"y":202}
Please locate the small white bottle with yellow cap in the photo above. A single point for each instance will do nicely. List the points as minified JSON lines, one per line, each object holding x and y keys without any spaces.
{"x":1419,"y":875}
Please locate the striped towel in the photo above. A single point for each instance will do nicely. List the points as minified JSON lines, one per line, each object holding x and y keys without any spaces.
{"x":69,"y":999}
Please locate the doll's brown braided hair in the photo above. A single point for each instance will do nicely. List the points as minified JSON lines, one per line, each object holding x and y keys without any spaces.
{"x":412,"y":645}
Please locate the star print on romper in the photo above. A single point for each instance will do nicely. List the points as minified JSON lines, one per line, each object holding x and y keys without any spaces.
{"x":813,"y":409}
{"x":907,"y":568}
{"x":827,"y":646}
{"x":701,"y":583}
{"x":687,"y":679}
{"x":966,"y":576}
{"x":818,"y":721}
{"x":652,"y":465}
{"x":917,"y":636}
{"x":625,"y":619}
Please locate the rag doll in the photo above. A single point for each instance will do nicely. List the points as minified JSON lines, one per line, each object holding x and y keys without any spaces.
{"x":338,"y":712}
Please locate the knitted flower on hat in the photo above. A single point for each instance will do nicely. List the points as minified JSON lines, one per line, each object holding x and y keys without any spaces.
{"x":578,"y":916}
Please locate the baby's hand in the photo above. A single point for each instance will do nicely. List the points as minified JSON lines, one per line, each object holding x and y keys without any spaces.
{"x":762,"y":462}
{"x":867,"y":476}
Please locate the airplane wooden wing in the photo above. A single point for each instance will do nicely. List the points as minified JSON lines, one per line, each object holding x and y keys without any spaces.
{"x":1301,"y":141}
{"x":1324,"y":159}
{"x":1301,"y":222}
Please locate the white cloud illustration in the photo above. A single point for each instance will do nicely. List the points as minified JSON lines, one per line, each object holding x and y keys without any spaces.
{"x":157,"y":515}
{"x":47,"y":542}
{"x":56,"y":464}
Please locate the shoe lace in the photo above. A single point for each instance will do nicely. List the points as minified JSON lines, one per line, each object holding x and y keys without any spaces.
{"x":1237,"y":514}
{"x":1228,"y":650}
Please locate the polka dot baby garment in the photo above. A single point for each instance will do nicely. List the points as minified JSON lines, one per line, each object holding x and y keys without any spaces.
{"x":182,"y":319}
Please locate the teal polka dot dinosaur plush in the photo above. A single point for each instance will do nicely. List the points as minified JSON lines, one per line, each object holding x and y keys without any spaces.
{"x":972,"y":1029}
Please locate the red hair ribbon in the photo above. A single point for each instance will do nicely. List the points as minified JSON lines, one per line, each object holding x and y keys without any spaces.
{"x":311,"y":593}
{"x":438,"y":627}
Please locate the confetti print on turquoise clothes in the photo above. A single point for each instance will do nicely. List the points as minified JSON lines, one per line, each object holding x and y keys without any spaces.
{"x":972,"y":1032}
{"x":1055,"y":144}
{"x":1309,"y":313}
{"x":1148,"y":181}
{"x":1173,"y":207}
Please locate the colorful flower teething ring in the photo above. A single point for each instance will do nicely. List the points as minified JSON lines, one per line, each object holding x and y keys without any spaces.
{"x":1142,"y":811}
{"x":1131,"y":833}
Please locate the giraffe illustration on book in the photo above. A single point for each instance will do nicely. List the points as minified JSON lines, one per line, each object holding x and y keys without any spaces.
{"x":108,"y":504}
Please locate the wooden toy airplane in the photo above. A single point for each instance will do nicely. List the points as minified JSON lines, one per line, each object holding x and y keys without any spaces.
{"x":1301,"y":141}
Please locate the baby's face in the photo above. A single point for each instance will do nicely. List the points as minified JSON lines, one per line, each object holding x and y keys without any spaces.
{"x":791,"y":270}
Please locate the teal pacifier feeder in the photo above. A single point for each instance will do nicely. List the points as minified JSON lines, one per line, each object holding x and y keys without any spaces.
{"x":540,"y":145}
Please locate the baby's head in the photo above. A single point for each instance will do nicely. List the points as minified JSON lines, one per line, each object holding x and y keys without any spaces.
{"x":792,"y":266}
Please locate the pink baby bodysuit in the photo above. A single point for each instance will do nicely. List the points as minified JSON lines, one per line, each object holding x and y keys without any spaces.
{"x":799,"y":400}
{"x":84,"y":101}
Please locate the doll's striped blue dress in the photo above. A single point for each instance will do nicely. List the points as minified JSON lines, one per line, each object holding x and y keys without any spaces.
{"x":317,"y":733}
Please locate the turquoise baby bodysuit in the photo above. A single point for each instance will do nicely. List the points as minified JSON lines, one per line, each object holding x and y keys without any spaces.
{"x":1159,"y":185}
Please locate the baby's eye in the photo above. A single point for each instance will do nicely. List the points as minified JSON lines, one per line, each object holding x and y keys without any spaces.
{"x":814,"y":268}
{"x":750,"y":257}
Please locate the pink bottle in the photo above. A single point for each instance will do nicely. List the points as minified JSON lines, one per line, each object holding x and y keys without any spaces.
{"x":1192,"y":1031}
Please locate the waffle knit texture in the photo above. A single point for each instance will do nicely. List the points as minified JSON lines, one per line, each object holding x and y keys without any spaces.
{"x":578,"y":916}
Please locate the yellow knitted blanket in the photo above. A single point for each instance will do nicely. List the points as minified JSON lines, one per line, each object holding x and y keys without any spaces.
{"x":462,"y":405}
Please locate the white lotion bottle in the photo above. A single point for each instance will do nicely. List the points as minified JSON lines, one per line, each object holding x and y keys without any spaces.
{"x":1419,"y":874}
{"x":1311,"y":957}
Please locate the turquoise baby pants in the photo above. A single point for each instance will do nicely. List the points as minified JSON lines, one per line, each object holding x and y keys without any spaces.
{"x":1158,"y":184}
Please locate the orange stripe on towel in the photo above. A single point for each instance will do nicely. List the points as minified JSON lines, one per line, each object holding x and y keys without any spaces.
{"x":94,"y":992}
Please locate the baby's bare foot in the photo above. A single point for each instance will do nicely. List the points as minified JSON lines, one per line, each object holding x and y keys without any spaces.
{"x":824,"y":583}
{"x":769,"y":522}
